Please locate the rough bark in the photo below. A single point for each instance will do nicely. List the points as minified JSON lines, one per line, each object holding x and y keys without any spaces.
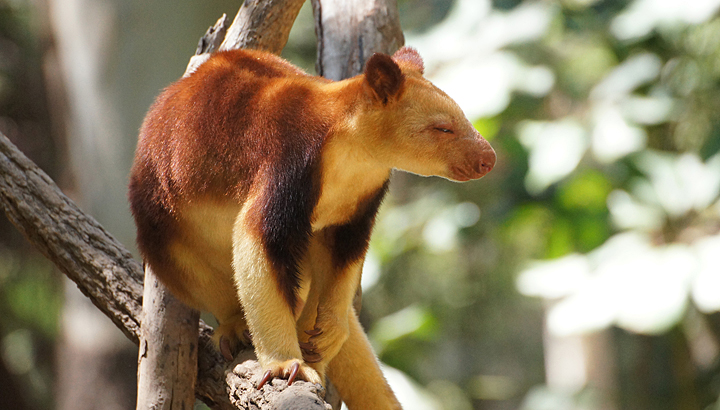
{"x":260,"y":24}
{"x":350,"y":31}
{"x":263,"y":25}
{"x":167,"y":357}
{"x":83,"y":250}
{"x":208,"y":44}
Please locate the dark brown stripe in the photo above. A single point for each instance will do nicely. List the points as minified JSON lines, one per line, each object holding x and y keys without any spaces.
{"x":293,"y":186}
{"x":350,"y":241}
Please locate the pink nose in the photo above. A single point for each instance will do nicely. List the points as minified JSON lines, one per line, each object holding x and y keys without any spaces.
{"x":475,"y":165}
{"x":486,"y":162}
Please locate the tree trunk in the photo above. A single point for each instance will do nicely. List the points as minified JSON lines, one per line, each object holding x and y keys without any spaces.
{"x":167,"y":358}
{"x":350,"y":31}
{"x":263,"y":25}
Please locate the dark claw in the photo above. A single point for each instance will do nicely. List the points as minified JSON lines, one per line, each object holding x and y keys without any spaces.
{"x":314,"y":332}
{"x":307,"y":346}
{"x":247,"y":335}
{"x":225,"y":348}
{"x":264,"y":380}
{"x":293,"y":373}
{"x":312,"y":357}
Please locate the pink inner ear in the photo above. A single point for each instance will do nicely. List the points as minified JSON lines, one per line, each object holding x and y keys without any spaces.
{"x":409,"y":57}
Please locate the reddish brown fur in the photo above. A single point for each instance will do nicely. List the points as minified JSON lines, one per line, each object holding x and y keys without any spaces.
{"x":190,"y":143}
{"x":254,"y":182}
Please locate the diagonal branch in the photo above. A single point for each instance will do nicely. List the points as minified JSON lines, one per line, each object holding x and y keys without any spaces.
{"x":74,"y":241}
{"x":102,"y":267}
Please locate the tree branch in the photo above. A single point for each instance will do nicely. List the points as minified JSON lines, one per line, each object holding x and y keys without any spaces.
{"x":103,"y":269}
{"x":167,"y":357}
{"x":263,"y":25}
{"x":74,"y":241}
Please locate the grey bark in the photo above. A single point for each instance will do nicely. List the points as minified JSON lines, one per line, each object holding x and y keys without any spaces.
{"x":208,"y":44}
{"x":83,"y":250}
{"x":350,"y":31}
{"x":167,"y":357}
{"x":263,"y":25}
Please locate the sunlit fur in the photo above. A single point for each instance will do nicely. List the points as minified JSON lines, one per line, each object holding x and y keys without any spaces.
{"x":255,"y":188}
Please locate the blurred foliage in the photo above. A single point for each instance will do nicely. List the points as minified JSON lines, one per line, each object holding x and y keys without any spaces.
{"x":622,"y":141}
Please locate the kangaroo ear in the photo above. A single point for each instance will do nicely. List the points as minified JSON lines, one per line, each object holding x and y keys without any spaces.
{"x":409,"y":58}
{"x":384,"y":76}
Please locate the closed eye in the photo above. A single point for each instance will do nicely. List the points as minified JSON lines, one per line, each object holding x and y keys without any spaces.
{"x":445,"y":130}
